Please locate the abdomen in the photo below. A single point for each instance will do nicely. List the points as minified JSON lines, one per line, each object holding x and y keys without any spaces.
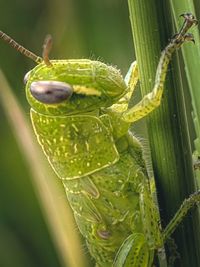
{"x":106,"y":207}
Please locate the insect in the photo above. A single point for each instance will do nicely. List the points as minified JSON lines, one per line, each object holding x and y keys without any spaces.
{"x":80,"y":115}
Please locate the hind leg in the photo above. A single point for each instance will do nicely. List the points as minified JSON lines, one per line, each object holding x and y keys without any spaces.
{"x":180,"y":214}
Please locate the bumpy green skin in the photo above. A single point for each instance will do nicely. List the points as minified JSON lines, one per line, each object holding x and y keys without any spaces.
{"x":87,"y":143}
{"x":111,"y":214}
{"x":99,"y":161}
{"x":106,"y":203}
{"x":84,"y":133}
{"x":83,"y":72}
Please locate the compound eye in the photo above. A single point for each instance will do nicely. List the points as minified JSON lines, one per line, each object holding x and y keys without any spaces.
{"x":51,"y":92}
{"x":26,"y":77}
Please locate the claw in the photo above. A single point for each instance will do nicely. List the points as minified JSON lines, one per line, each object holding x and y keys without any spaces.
{"x":189,"y":17}
{"x":189,"y":37}
{"x":182,"y":36}
{"x":190,"y":20}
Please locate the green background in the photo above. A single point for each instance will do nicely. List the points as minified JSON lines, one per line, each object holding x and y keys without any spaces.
{"x":80,"y":29}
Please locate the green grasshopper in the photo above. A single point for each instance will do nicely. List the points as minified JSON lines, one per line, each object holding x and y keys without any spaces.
{"x":80,"y":115}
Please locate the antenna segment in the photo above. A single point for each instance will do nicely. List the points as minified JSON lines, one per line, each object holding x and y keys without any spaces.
{"x":20,"y":48}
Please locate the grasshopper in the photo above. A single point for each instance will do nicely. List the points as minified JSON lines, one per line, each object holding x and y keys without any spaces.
{"x":80,"y":115}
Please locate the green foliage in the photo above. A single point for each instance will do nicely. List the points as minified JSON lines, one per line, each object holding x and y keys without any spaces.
{"x":168,"y":129}
{"x":20,"y":208}
{"x":80,"y":29}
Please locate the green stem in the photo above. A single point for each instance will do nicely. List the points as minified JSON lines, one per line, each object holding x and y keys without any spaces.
{"x":191,"y":56}
{"x":167,"y":126}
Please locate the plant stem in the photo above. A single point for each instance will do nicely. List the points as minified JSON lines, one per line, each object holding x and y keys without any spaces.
{"x":167,"y":126}
{"x":191,"y":56}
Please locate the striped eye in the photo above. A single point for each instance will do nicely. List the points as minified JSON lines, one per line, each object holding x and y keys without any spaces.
{"x":51,"y":92}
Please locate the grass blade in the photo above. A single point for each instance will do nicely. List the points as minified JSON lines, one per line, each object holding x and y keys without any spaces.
{"x":167,"y":126}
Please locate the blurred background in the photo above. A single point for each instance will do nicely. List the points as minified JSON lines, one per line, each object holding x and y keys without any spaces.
{"x":80,"y":29}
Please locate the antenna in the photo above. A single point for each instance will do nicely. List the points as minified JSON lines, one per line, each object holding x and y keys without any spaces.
{"x":46,"y":49}
{"x":20,"y":48}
